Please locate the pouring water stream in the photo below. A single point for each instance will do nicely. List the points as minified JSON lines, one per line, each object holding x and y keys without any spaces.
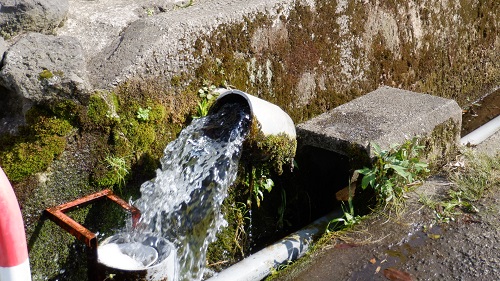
{"x":183,"y":203}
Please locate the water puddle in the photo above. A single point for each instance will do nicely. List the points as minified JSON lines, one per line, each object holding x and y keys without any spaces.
{"x":387,"y":264}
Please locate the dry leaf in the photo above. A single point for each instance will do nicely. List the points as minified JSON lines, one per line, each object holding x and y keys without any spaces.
{"x":396,"y":275}
{"x":377,"y":270}
{"x":373,"y":261}
{"x":343,"y":194}
{"x":433,"y":236}
{"x":348,"y":191}
{"x":345,"y":245}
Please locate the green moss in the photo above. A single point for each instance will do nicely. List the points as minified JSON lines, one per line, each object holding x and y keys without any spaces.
{"x":101,"y":109}
{"x":27,"y":158}
{"x":157,"y":113}
{"x":45,"y":74}
{"x":272,"y":151}
{"x":442,"y":144}
{"x":66,"y":110}
{"x":140,"y":135}
{"x":140,"y":141}
{"x":48,"y":260}
{"x":97,"y":109}
{"x":34,"y":149}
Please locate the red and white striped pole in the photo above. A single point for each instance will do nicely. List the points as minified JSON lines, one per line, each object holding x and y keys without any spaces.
{"x":14,"y":262}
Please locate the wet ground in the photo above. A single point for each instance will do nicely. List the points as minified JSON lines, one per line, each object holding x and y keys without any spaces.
{"x":415,"y":246}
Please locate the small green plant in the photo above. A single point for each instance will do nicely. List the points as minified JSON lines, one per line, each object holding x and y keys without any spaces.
{"x":258,"y":181}
{"x":261,"y":183}
{"x":393,"y":170}
{"x":45,"y":74}
{"x":143,"y":113}
{"x":202,"y":108}
{"x":207,"y":95}
{"x":118,"y":167}
{"x":185,"y":5}
{"x":241,"y":217}
{"x":349,"y":219}
{"x":150,"y":12}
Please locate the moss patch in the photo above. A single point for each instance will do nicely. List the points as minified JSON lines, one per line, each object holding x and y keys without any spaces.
{"x":273,"y":151}
{"x":140,"y":118}
{"x":37,"y":145}
{"x":334,"y":45}
{"x":442,"y":144}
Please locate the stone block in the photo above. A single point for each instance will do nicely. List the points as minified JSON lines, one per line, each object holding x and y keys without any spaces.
{"x":386,"y":116}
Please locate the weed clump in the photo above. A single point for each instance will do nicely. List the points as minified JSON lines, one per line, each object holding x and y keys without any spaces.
{"x":393,"y":170}
{"x":474,"y":174}
{"x":471,"y":177}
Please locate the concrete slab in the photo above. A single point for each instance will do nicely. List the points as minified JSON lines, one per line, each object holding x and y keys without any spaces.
{"x":385,"y":116}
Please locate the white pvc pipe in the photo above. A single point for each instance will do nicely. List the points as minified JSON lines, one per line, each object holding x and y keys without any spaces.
{"x":259,"y":265}
{"x":482,"y":133}
{"x":272,"y":118}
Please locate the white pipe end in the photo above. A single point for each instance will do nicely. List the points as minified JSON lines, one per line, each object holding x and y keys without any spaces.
{"x":271,"y":117}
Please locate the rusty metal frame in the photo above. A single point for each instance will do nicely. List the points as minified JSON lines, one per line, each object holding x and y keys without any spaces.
{"x":57,"y":215}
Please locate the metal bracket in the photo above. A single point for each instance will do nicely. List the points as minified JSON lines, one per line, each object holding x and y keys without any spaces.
{"x":57,"y":215}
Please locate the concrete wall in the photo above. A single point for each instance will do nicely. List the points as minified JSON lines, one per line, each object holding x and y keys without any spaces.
{"x":310,"y":56}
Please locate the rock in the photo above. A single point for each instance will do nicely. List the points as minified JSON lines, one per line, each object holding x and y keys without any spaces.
{"x":41,"y":68}
{"x":3,"y":48}
{"x":98,"y":23}
{"x":42,"y":16}
{"x":162,"y":44}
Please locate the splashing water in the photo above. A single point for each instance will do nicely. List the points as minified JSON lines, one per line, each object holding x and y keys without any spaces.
{"x":182,"y":204}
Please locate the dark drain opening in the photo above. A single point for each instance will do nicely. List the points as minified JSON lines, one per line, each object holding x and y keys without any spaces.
{"x":306,"y":194}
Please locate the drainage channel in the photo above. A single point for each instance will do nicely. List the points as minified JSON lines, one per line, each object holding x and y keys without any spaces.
{"x":290,"y":248}
{"x":259,"y":265}
{"x":480,"y":112}
{"x":482,"y":133}
{"x":318,"y":205}
{"x":481,"y":119}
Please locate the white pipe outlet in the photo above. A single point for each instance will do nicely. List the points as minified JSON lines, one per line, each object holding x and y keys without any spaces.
{"x":482,"y":133}
{"x":272,"y":118}
{"x":259,"y":265}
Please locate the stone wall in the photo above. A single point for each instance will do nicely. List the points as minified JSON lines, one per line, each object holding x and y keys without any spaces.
{"x":310,"y":56}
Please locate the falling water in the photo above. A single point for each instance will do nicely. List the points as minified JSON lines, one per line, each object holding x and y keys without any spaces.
{"x":183,"y":203}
